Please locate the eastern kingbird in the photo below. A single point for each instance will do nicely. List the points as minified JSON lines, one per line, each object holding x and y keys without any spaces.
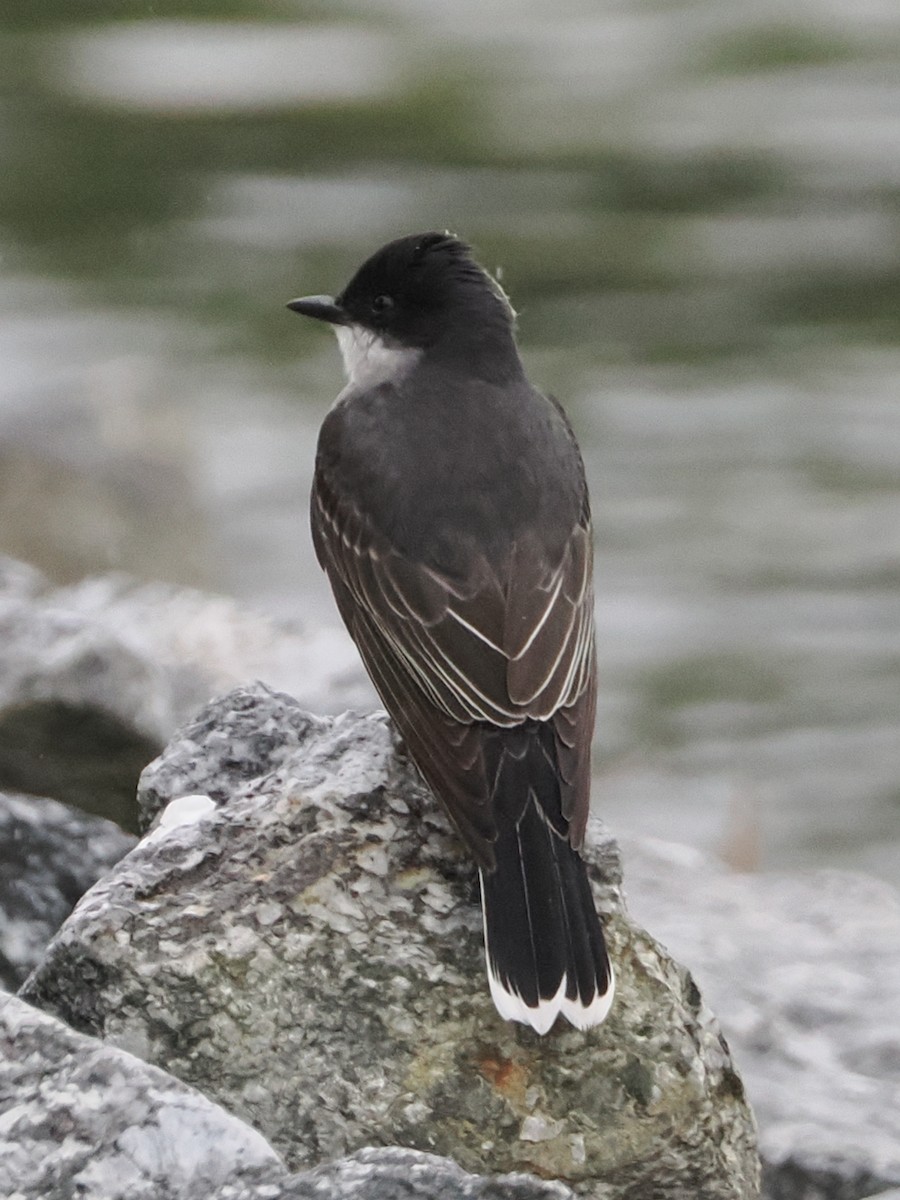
{"x":450,"y":512}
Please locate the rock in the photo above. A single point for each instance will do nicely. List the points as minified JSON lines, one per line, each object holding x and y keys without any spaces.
{"x":261,"y":731}
{"x":80,"y":1118}
{"x":81,"y":755}
{"x":309,"y":954}
{"x":190,"y":645}
{"x":804,"y":973}
{"x":49,"y":856}
{"x":95,"y":677}
{"x":19,"y":581}
{"x":82,"y":709}
{"x":392,"y":1173}
{"x":56,"y":647}
{"x":202,"y":644}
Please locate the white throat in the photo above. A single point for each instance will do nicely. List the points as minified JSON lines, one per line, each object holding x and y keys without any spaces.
{"x":368,"y":360}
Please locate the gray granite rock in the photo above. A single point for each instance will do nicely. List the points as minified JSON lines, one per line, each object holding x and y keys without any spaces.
{"x":19,"y":581}
{"x":309,"y":954}
{"x":260,"y":732}
{"x":152,"y":653}
{"x":804,"y":973}
{"x":50,"y":855}
{"x":55,"y":649}
{"x":95,"y":677}
{"x":79,"y":1118}
{"x":393,"y":1173}
{"x":82,"y":708}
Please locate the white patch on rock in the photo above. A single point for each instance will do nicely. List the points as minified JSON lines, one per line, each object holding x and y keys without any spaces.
{"x":183,"y":810}
{"x":538,"y":1128}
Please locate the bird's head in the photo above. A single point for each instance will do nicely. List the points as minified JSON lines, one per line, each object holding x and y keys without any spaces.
{"x":415,"y":295}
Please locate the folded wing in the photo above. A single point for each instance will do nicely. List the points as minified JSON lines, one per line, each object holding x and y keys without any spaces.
{"x":458,"y":662}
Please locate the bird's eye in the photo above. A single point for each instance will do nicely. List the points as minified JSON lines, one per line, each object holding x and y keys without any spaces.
{"x":382,"y":304}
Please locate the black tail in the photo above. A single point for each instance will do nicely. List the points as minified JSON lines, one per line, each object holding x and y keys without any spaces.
{"x":545,"y":949}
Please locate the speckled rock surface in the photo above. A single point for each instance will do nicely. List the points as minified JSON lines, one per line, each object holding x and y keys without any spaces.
{"x":393,"y":1173}
{"x":50,"y":855}
{"x":310,"y":956}
{"x":79,"y":1118}
{"x":804,"y":973}
{"x":82,"y":1119}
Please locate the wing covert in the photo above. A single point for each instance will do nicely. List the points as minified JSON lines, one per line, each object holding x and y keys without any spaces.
{"x":510,"y":644}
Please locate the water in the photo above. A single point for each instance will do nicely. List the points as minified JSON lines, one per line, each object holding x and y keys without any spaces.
{"x":695,"y":207}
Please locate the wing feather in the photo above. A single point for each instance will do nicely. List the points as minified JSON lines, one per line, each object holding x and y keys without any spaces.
{"x":454,"y":658}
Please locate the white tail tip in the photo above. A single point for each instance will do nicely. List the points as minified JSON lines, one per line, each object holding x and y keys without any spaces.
{"x":541,"y":1017}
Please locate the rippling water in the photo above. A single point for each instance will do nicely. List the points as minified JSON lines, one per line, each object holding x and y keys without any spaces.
{"x":696,"y":210}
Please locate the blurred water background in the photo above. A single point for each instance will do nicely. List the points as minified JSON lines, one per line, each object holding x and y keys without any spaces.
{"x":696,"y":209}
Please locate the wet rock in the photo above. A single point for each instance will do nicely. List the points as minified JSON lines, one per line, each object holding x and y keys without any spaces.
{"x":306,"y":949}
{"x":49,"y":856}
{"x":804,"y":973}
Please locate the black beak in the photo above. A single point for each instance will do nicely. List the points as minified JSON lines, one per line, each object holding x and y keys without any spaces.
{"x":323,"y":308}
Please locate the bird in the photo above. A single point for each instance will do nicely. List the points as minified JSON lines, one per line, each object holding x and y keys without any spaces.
{"x":450,"y":513}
